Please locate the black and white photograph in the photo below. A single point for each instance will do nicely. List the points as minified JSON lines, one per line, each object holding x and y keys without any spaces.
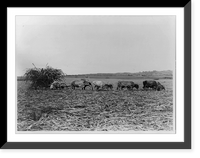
{"x":95,"y":73}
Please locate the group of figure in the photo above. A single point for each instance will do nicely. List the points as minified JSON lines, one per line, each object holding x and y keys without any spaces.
{"x":100,"y":85}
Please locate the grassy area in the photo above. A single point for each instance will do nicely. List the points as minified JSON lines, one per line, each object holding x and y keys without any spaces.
{"x":87,"y":110}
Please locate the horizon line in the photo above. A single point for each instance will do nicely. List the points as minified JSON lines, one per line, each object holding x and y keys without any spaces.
{"x":113,"y":72}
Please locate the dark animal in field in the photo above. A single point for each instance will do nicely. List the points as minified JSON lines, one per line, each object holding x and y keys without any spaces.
{"x":153,"y":85}
{"x":108,"y":86}
{"x":82,"y":83}
{"x":128,"y":87}
{"x":160,"y":87}
{"x":58,"y":85}
{"x":150,"y":84}
{"x":136,"y":86}
{"x":98,"y":84}
{"x":125,"y":84}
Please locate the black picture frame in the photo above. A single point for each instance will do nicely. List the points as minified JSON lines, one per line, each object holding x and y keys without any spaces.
{"x":124,"y":145}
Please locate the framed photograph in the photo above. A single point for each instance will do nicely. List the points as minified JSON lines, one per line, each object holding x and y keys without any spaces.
{"x":98,"y":77}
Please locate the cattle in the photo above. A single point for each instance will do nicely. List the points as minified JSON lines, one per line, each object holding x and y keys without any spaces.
{"x":150,"y":84}
{"x":98,"y":84}
{"x":153,"y":85}
{"x":108,"y":86}
{"x":58,"y":85}
{"x":128,"y":87}
{"x":160,"y":87}
{"x":82,"y":83}
{"x":125,"y":84}
{"x":136,"y":86}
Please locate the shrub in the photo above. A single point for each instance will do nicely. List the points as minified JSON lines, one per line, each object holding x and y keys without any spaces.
{"x":42,"y":77}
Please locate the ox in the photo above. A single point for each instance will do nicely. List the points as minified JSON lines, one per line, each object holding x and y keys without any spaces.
{"x":160,"y":87}
{"x":108,"y":86}
{"x":150,"y":84}
{"x":125,"y":84}
{"x":153,"y":85}
{"x":58,"y":85}
{"x":136,"y":86}
{"x":81,"y":83}
{"x":98,"y":84}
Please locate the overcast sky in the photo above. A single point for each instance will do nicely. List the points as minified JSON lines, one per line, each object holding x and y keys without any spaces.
{"x":95,"y":44}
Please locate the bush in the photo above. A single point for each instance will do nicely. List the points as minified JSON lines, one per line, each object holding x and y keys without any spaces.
{"x":42,"y":77}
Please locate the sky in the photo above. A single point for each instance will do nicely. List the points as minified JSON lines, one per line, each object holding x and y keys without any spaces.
{"x":95,"y":44}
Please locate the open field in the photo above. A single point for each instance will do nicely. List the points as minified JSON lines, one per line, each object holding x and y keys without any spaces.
{"x":87,"y":110}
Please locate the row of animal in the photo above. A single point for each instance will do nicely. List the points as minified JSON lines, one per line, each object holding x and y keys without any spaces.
{"x":129,"y":85}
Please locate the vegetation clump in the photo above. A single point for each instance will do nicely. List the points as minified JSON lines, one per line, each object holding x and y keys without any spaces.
{"x":42,"y":77}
